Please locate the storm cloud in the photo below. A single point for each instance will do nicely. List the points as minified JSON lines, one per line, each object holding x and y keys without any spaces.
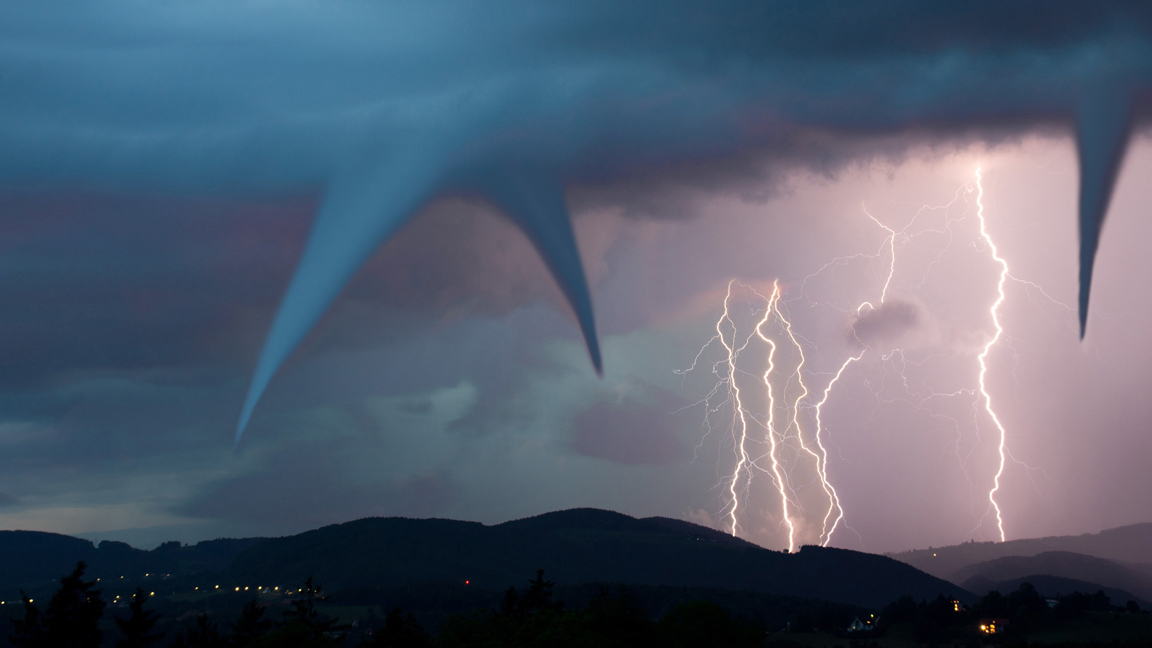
{"x":514,"y":102}
{"x":168,"y":165}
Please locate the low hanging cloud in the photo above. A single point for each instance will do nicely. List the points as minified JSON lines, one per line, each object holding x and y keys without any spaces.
{"x":888,"y":323}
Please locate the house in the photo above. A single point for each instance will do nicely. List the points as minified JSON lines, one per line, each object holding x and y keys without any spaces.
{"x":993,"y":626}
{"x":859,"y":626}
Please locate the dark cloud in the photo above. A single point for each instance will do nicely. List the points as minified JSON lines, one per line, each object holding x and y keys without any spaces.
{"x":307,"y":486}
{"x":633,"y":431}
{"x":100,"y":282}
{"x":162,"y":169}
{"x":514,"y":101}
{"x":887,"y":323}
{"x":7,"y":500}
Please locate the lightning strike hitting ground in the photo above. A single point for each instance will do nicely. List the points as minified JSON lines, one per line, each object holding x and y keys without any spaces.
{"x":825,"y":532}
{"x":994,"y":311}
{"x":748,"y":428}
{"x":737,"y":405}
{"x":771,"y":426}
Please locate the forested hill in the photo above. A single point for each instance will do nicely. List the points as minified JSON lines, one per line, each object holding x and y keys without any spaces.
{"x":33,"y":559}
{"x":1131,"y":544}
{"x":577,"y":546}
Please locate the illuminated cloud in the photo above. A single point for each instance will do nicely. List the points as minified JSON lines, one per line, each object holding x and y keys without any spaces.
{"x":385,"y":107}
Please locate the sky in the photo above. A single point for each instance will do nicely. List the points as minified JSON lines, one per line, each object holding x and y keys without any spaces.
{"x":167,"y":169}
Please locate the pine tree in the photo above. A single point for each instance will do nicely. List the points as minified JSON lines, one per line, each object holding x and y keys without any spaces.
{"x":205,"y":634}
{"x":401,"y":631}
{"x":537,"y":598}
{"x":29,"y":632}
{"x":251,"y":624}
{"x":73,"y":615}
{"x":138,"y":624}
{"x":304,"y":616}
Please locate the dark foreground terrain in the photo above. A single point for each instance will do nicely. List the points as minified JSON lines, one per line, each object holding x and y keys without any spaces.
{"x":573,"y":578}
{"x":575,"y":547}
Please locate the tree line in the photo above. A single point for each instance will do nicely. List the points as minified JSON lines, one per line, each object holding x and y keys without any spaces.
{"x":72,"y":620}
{"x":525,"y":617}
{"x":530,"y":618}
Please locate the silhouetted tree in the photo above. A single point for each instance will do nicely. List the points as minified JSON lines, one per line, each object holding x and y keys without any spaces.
{"x":703,"y":624}
{"x":205,"y":634}
{"x":303,"y":623}
{"x":537,"y":598}
{"x":621,"y":618}
{"x":401,"y":631}
{"x":73,"y":615}
{"x":29,"y":631}
{"x":138,"y":624}
{"x":251,"y":624}
{"x":304,"y":609}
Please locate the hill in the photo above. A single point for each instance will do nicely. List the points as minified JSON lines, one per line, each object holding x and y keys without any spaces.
{"x":574,"y":547}
{"x":1132,"y":544}
{"x":1065,"y":565}
{"x":1053,"y":587}
{"x":34,"y":559}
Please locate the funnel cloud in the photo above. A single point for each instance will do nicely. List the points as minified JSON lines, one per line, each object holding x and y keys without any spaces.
{"x":384,"y":107}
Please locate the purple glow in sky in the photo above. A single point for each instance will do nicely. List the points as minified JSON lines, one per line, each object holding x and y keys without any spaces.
{"x":447,"y":380}
{"x":366,"y":258}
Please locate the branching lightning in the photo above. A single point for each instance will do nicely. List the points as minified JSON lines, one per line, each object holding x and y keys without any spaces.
{"x":995,"y":312}
{"x":771,"y":426}
{"x":793,"y":441}
{"x":737,"y":405}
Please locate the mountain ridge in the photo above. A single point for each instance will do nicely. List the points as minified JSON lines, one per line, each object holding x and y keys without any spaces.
{"x":574,"y":547}
{"x":1130,"y":543}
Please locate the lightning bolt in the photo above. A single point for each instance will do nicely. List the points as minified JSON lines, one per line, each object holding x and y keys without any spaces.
{"x":771,"y":431}
{"x":808,"y":432}
{"x":983,"y":357}
{"x":737,"y":405}
{"x":820,"y":458}
{"x":825,"y":532}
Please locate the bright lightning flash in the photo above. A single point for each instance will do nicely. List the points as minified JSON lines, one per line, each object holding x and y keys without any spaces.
{"x":995,"y":312}
{"x":756,"y":437}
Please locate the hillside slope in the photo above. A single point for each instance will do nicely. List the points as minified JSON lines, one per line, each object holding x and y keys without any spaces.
{"x":31,"y":559}
{"x":1062,"y":564}
{"x":1131,"y":543}
{"x":576,"y":546}
{"x":1052,"y":587}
